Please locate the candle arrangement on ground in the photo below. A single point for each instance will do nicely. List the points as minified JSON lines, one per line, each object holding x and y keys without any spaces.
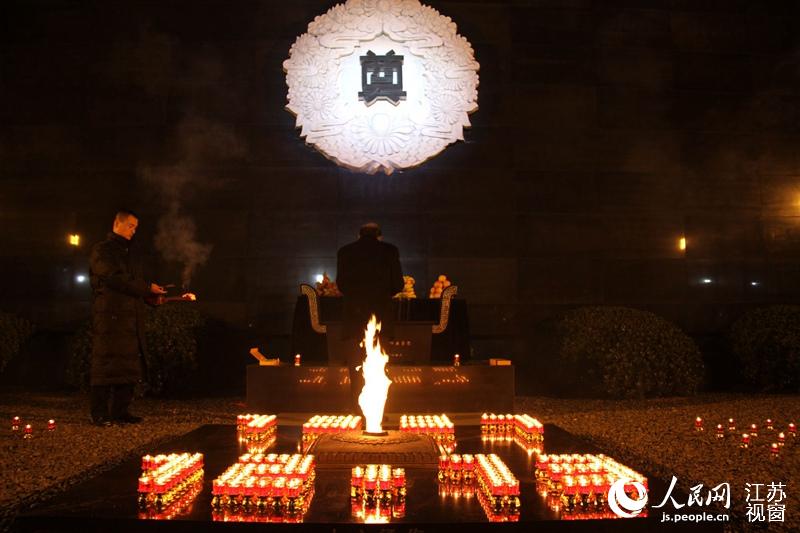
{"x":319,"y":425}
{"x":498,"y":488}
{"x":167,"y":480}
{"x":439,"y":427}
{"x":523,"y":429}
{"x":256,"y":427}
{"x":457,"y":469}
{"x":276,"y":488}
{"x":580,"y":482}
{"x":178,"y":506}
{"x":377,"y":493}
{"x":753,"y":437}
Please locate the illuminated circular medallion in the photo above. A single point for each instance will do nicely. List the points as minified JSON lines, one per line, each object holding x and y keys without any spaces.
{"x":379,"y":85}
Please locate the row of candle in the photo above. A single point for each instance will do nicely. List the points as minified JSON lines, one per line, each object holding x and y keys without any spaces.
{"x":27,"y":429}
{"x":256,"y":427}
{"x":165,"y":478}
{"x":377,"y":485}
{"x":497,"y":484}
{"x":753,"y":430}
{"x":272,"y":488}
{"x":489,"y":506}
{"x":321,"y":424}
{"x":583,"y":479}
{"x":267,"y":516}
{"x":377,"y":514}
{"x":456,"y":468}
{"x":176,"y":507}
{"x":439,"y":427}
{"x":525,"y":426}
{"x":774,"y":448}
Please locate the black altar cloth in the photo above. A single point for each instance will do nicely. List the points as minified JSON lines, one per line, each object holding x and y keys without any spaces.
{"x":453,"y":340}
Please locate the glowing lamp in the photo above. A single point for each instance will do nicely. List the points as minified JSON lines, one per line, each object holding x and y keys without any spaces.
{"x":74,"y":239}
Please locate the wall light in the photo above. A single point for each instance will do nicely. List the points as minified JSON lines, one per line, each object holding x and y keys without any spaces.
{"x":74,"y":239}
{"x":80,"y":278}
{"x":755,"y":283}
{"x":706,"y":281}
{"x":682,"y":244}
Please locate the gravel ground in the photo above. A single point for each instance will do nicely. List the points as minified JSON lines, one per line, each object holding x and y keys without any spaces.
{"x":658,"y":437}
{"x":655,"y":436}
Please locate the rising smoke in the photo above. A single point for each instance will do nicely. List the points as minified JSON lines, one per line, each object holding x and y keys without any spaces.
{"x":201,"y":145}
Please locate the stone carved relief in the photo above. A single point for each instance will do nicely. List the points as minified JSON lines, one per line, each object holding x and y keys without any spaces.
{"x":440,"y":77}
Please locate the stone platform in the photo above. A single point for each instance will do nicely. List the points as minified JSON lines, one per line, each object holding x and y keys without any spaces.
{"x":107,"y":502}
{"x":396,"y":448}
{"x":414,"y":389}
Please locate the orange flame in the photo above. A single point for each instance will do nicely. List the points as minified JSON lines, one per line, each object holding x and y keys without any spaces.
{"x":372,"y":399}
{"x":189,"y":296}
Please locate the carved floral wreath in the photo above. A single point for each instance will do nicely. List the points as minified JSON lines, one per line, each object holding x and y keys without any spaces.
{"x":381,"y":136}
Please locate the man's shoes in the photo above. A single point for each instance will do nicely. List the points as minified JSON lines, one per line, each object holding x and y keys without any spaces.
{"x":128,"y":418}
{"x":101,"y":422}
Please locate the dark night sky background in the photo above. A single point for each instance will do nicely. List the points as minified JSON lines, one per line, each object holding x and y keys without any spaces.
{"x":606,"y":130}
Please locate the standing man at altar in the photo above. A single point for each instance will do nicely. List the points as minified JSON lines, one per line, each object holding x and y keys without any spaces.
{"x":368,"y":274}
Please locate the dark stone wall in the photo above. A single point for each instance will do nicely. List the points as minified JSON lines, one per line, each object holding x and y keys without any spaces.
{"x":606,"y":130}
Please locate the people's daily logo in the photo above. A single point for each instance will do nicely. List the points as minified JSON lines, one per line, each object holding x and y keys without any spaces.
{"x":623,"y":505}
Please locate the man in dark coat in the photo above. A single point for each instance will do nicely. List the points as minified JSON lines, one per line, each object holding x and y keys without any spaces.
{"x":118,"y":293}
{"x":368,"y":273}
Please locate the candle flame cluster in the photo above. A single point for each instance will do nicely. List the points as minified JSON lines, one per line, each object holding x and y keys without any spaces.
{"x":27,"y":431}
{"x":748,"y":440}
{"x":438,"y":426}
{"x":169,"y":483}
{"x":498,"y":488}
{"x":523,"y":429}
{"x":264,"y":487}
{"x":320,"y":424}
{"x":457,"y":469}
{"x":581,"y":482}
{"x":255,"y":429}
{"x":377,"y":493}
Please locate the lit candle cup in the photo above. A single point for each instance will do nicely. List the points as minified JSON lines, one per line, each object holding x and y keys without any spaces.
{"x":297,"y":360}
{"x":51,"y":425}
{"x":753,"y":430}
{"x":15,"y":422}
{"x":456,"y":360}
{"x":768,"y":424}
{"x":745,"y":443}
{"x":731,"y":425}
{"x":698,"y":424}
{"x":720,"y":431}
{"x":781,"y":439}
{"x":28,"y":431}
{"x":792,"y":429}
{"x":774,"y":450}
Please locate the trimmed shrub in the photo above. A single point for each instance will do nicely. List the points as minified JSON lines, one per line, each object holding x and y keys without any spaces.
{"x":766,"y":345}
{"x":14,"y":333}
{"x":171,"y":331}
{"x":620,"y":352}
